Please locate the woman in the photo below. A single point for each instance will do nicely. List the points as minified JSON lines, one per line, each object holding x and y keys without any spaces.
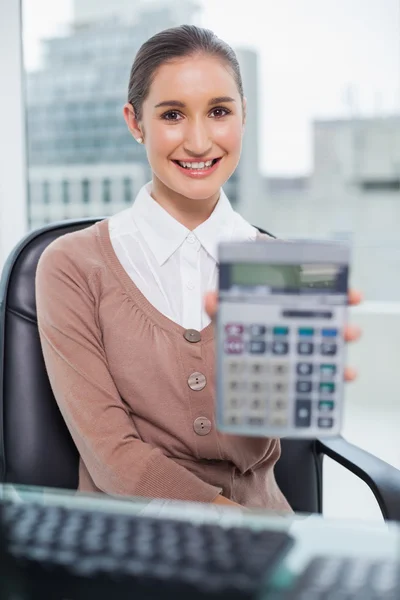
{"x":128,"y":346}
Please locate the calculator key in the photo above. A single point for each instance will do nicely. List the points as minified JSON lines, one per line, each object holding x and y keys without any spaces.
{"x":257,"y":386}
{"x":257,"y":421}
{"x":304,"y":387}
{"x":325,"y":422}
{"x":234,"y":329}
{"x":281,"y":330}
{"x":234,"y":402}
{"x":278,"y":419}
{"x":233,"y":346}
{"x":327,"y":387}
{"x":257,"y":330}
{"x":256,"y":403}
{"x":234,"y":419}
{"x":305,"y":348}
{"x":306,"y":331}
{"x":279,"y":387}
{"x":328,"y":349}
{"x":235,"y":385}
{"x":278,"y":404}
{"x":256,"y":347}
{"x":329,"y":332}
{"x":327,"y":370}
{"x":326,"y":405}
{"x":304,"y":368}
{"x":258,"y":368}
{"x":280,"y":369}
{"x":303,"y":413}
{"x":234,"y":367}
{"x":280,"y":348}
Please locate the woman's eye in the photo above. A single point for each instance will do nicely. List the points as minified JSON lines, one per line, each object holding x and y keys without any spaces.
{"x":171,"y":115}
{"x":220,"y":112}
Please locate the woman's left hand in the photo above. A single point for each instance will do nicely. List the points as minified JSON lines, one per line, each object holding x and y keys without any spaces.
{"x":351,"y":334}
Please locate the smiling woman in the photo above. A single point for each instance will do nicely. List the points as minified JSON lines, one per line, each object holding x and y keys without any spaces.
{"x":128,"y":345}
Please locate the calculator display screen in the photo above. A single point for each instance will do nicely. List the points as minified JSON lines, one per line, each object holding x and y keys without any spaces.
{"x":297,"y":278}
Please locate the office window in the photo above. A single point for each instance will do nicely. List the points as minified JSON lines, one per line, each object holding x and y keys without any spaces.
{"x":65,"y":192}
{"x":46,"y":192}
{"x":106,"y":191}
{"x":128,"y":190}
{"x":322,"y":131}
{"x":86,"y":191}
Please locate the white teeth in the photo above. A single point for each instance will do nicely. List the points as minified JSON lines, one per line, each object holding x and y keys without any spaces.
{"x":195,"y":165}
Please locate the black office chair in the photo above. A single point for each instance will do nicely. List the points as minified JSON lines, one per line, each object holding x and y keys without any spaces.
{"x":35,"y":445}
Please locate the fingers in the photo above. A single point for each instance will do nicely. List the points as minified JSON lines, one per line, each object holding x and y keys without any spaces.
{"x":210,"y":303}
{"x":355,"y":297}
{"x":352,"y":333}
{"x":350,"y":374}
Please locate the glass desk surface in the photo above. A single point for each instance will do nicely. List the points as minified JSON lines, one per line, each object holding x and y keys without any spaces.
{"x":313,"y":534}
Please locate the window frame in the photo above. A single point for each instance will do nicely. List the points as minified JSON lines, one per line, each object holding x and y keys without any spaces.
{"x":13,"y":153}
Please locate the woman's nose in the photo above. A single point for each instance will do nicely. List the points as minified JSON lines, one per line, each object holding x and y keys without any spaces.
{"x":198,"y":142}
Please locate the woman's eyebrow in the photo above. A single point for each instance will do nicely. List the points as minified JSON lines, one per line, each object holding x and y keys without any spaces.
{"x":179,"y":104}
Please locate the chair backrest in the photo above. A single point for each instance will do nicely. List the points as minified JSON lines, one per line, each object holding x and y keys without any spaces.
{"x":35,"y":445}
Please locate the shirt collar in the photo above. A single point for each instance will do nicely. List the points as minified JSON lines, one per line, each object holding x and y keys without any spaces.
{"x":164,"y":234}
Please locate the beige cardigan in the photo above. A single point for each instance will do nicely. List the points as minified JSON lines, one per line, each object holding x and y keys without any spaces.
{"x":119,"y":370}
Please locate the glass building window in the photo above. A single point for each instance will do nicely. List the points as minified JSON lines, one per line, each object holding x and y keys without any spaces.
{"x":46,"y":192}
{"x":106,"y":191}
{"x":86,"y":191}
{"x":65,"y":192}
{"x":128,"y":190}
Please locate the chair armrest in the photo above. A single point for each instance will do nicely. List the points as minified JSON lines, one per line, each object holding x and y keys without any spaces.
{"x":381,"y":478}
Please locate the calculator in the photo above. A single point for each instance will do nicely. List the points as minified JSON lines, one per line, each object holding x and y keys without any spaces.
{"x":280,"y":337}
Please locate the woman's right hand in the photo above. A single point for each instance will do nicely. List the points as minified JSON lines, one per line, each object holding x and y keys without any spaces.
{"x":221,"y":500}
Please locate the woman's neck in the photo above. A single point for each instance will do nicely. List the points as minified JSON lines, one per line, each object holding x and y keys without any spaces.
{"x":187,"y":211}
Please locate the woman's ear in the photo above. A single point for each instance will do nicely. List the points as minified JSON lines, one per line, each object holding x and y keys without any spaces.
{"x":244,"y":104}
{"x":132,"y":122}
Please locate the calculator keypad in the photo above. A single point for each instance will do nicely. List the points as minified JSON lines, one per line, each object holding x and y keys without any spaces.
{"x":280,"y":376}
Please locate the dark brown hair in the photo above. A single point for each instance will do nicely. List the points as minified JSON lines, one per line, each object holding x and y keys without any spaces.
{"x":169,"y":44}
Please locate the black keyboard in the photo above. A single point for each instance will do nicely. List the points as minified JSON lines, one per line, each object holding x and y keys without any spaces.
{"x":75,"y":553}
{"x":339,"y":578}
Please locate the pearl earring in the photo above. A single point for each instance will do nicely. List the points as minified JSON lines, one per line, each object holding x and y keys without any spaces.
{"x":139,"y":140}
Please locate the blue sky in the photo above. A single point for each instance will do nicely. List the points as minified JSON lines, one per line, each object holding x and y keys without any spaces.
{"x":318,"y":59}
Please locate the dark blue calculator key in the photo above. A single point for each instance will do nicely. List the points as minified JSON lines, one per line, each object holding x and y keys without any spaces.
{"x":257,"y":347}
{"x":305,"y":348}
{"x":280,"y":348}
{"x":329,"y":332}
{"x":257,"y":330}
{"x":325,"y":422}
{"x":328,"y":349}
{"x":304,"y":368}
{"x":303,"y":413}
{"x":303,"y":387}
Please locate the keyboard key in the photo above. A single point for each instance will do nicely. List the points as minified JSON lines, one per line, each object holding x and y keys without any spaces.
{"x":278,"y":419}
{"x":257,"y":330}
{"x":279,"y":387}
{"x":278,"y":404}
{"x":257,"y":367}
{"x":303,"y":387}
{"x":328,"y":349}
{"x":256,"y":421}
{"x":303,"y":413}
{"x":305,"y":348}
{"x":257,"y":347}
{"x":304,"y":368}
{"x":280,"y":348}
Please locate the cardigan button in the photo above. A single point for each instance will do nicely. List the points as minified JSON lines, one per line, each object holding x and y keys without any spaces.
{"x":197,"y":381}
{"x":192,"y":335}
{"x":202,"y":426}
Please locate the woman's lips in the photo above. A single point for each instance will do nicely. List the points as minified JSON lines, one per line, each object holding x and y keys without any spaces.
{"x":198,"y":173}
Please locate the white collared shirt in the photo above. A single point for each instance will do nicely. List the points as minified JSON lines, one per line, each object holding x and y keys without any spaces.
{"x":172,"y":266}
